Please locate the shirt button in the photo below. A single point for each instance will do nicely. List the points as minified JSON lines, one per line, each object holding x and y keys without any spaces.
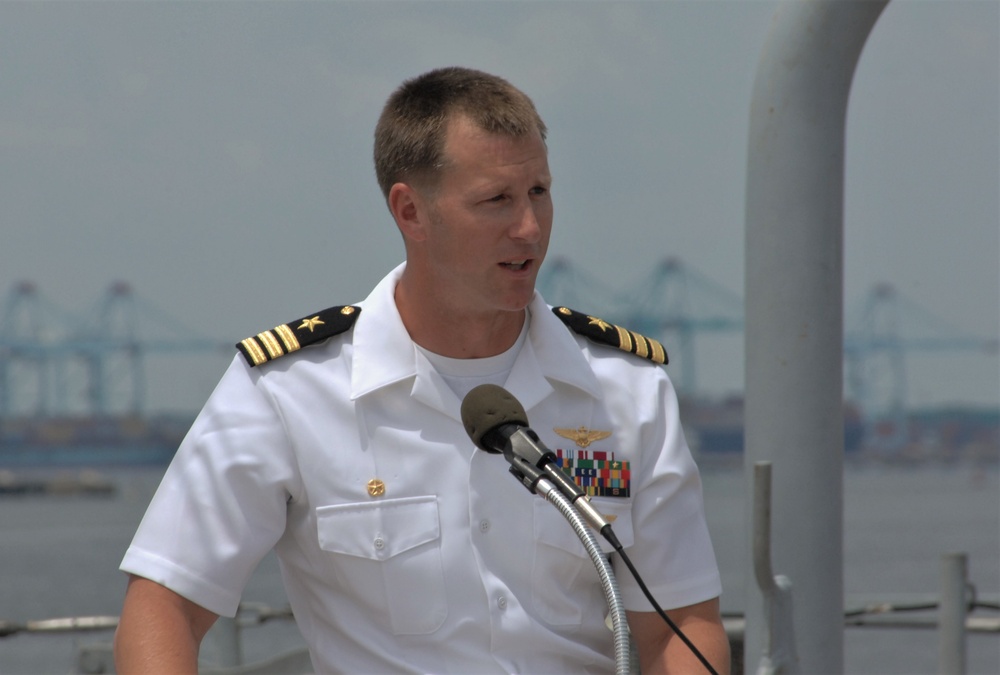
{"x":484,"y":526}
{"x":379,"y":543}
{"x":502,"y":602}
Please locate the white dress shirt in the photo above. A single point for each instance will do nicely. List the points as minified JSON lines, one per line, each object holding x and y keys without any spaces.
{"x":447,"y":564}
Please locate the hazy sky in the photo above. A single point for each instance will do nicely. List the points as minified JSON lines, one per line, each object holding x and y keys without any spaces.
{"x":217,"y":155}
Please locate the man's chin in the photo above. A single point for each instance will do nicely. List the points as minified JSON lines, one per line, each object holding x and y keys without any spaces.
{"x":518,"y":304}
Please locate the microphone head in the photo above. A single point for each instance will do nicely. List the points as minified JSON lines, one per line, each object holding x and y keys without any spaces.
{"x":485,"y":408}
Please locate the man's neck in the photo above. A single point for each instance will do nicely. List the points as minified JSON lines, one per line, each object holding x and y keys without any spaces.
{"x":457,"y":335}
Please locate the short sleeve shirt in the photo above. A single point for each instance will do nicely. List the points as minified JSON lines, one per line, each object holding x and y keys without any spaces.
{"x":402,"y":547}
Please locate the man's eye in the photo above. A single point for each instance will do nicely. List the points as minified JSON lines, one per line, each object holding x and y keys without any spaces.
{"x":498,"y":198}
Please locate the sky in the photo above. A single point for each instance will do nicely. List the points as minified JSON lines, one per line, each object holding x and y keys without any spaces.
{"x":217,"y":156}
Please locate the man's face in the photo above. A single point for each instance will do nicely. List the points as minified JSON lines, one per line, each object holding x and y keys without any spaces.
{"x":490,"y":219}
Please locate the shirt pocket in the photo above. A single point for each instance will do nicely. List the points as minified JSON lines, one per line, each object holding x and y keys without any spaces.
{"x":564,"y":582}
{"x":389,"y":558}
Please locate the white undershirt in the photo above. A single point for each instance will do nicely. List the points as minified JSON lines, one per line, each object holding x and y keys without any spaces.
{"x":463,"y":375}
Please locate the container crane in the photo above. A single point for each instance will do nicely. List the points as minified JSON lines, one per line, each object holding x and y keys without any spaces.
{"x":879,"y":334}
{"x":55,"y":363}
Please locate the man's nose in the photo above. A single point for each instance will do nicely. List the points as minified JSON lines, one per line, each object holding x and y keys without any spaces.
{"x":527,"y":227}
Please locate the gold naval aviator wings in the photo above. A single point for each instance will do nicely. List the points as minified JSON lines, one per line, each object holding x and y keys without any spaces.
{"x":582,"y":436}
{"x":606,"y":333}
{"x":293,"y":336}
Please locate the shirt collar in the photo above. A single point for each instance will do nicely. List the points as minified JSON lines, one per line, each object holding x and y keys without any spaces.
{"x":550,"y":353}
{"x":383,"y":351}
{"x":384,"y":354}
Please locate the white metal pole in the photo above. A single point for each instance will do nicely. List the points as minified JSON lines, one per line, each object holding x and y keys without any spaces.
{"x":951,"y":614}
{"x":794,"y":309}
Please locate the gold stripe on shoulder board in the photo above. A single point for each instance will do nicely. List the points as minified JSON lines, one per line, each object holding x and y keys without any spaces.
{"x":288,"y":337}
{"x":625,"y":339}
{"x":270,"y":343}
{"x":254,"y":351}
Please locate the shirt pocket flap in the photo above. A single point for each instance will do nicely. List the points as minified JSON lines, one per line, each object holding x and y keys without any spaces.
{"x":552,"y":527}
{"x":378,"y":530}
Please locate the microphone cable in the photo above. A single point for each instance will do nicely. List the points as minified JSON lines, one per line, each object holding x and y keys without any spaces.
{"x":608,"y":534}
{"x":490,"y":410}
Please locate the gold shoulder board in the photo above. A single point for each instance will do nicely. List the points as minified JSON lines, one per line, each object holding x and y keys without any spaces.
{"x":293,"y":336}
{"x":606,"y":333}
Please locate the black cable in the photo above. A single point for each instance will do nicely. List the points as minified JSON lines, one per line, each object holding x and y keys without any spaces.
{"x":973,"y":603}
{"x":613,"y":540}
{"x":886,"y":608}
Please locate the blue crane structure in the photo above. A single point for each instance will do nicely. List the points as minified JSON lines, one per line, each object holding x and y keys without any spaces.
{"x":675,"y":304}
{"x":54,"y":362}
{"x":880,"y":331}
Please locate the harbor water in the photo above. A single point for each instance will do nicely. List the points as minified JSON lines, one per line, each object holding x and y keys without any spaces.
{"x":59,"y":556}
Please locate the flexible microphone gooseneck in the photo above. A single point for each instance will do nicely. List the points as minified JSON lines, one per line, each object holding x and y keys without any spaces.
{"x":497,"y":423}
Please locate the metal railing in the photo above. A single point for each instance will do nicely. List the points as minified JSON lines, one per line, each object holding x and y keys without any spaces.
{"x":952,"y":612}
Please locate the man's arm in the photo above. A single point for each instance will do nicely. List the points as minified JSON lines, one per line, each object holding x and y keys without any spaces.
{"x":661,"y":651}
{"x":159,"y":630}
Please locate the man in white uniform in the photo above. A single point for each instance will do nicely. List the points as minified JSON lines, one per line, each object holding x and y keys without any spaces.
{"x":336,"y":440}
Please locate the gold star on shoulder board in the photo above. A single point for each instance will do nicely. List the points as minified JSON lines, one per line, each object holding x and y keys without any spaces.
{"x":311,"y":323}
{"x":582,"y":436}
{"x":600,"y":323}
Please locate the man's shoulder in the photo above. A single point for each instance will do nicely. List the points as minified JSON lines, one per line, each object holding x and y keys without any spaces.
{"x":294,"y":335}
{"x":603,"y":332}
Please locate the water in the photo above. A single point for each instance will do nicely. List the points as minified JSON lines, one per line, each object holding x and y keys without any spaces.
{"x":59,"y":557}
{"x":898,"y":522}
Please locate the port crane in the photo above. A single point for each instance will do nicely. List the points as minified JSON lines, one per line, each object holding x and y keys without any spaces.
{"x":881,"y":331}
{"x":93,"y":362}
{"x":675,"y":304}
{"x":54,"y":362}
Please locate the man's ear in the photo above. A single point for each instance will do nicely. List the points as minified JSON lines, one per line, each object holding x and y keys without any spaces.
{"x":409,"y":208}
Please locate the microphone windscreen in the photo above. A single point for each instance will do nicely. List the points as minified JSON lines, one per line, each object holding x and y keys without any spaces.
{"x":488,"y":406}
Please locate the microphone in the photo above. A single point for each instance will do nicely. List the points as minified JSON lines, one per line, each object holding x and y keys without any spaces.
{"x":496,"y":422}
{"x":487,"y":408}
